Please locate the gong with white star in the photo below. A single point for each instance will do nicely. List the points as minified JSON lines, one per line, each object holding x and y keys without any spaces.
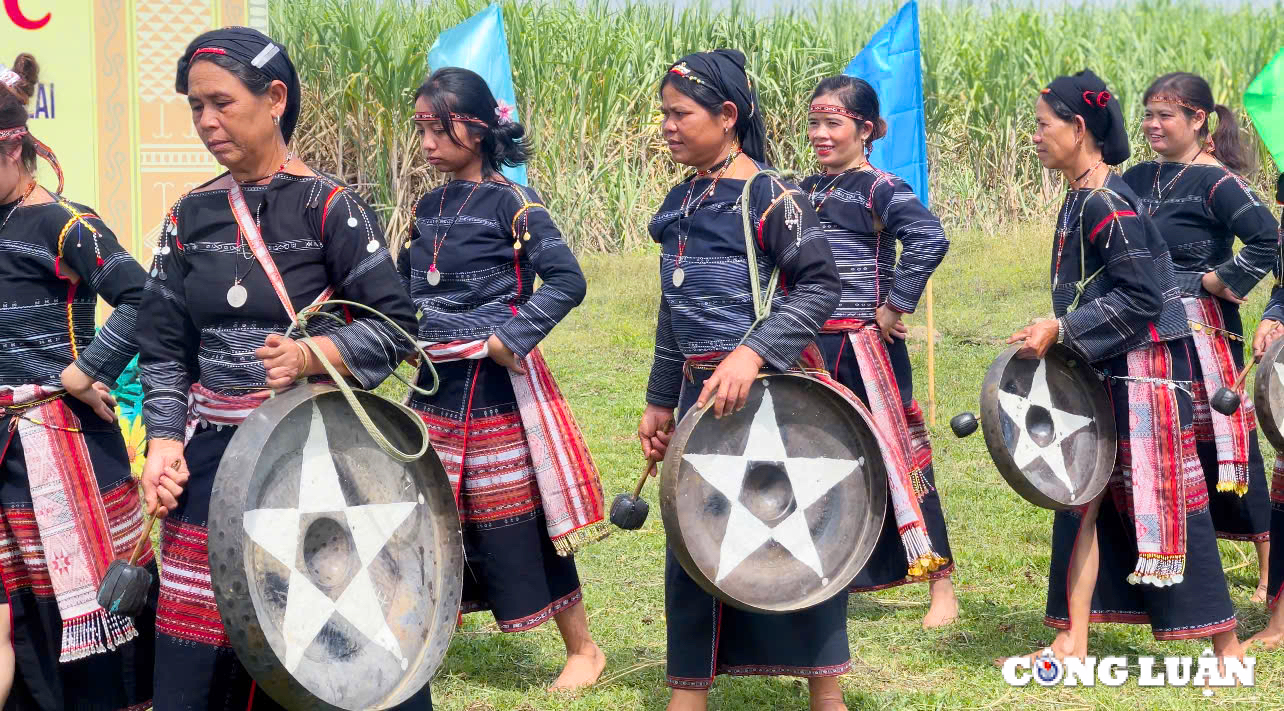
{"x":1049,"y":426}
{"x":1268,"y":394}
{"x":337,"y":569}
{"x":777,"y":507}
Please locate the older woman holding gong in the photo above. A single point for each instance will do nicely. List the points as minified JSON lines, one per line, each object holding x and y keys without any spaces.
{"x":237,"y":258}
{"x":1144,"y":551}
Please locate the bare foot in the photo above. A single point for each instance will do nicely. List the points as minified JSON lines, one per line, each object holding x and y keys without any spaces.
{"x":1269,"y":638}
{"x":1259,"y":595}
{"x":582,"y":669}
{"x":944,"y":611}
{"x":824,"y":694}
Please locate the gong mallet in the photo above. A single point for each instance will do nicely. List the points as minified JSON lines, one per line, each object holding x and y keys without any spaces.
{"x":628,"y":511}
{"x":1226,"y":400}
{"x":125,"y":586}
{"x":964,"y":424}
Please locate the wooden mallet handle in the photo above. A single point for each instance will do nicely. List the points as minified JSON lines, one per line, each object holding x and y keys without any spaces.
{"x":637,"y":490}
{"x":1243,"y":374}
{"x":143,"y":540}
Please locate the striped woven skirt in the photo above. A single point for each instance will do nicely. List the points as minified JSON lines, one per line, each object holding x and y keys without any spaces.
{"x":511,"y":566}
{"x":1200,"y":605}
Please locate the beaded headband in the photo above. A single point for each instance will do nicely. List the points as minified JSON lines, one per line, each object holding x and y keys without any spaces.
{"x":682,"y":70}
{"x":42,"y":150}
{"x":833,"y":109}
{"x":429,"y":116}
{"x":1176,"y":100}
{"x":685,"y":72}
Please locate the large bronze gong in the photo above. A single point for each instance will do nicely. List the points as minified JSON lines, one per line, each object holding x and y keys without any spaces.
{"x":337,"y":570}
{"x":1049,"y":426}
{"x":1268,"y":394}
{"x":777,"y":507}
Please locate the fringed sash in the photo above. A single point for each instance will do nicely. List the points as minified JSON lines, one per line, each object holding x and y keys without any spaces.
{"x":906,"y":481}
{"x":71,"y":519}
{"x":1158,"y":481}
{"x":205,"y":405}
{"x":569,"y":485}
{"x":1230,"y":433}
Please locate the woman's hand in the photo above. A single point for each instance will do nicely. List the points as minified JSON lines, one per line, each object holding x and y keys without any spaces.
{"x":1268,"y":331}
{"x":654,"y":432}
{"x":1038,"y":338}
{"x":1214,"y":285}
{"x":89,"y":391}
{"x":503,"y":355}
{"x":164,"y":476}
{"x":729,"y":385}
{"x":283,"y":359}
{"x":890,"y":323}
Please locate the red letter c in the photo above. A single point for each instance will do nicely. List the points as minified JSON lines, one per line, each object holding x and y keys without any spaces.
{"x":21,"y":20}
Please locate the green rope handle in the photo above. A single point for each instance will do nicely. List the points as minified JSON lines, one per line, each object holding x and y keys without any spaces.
{"x":357,"y":408}
{"x":1083,"y":283}
{"x":761,"y":305}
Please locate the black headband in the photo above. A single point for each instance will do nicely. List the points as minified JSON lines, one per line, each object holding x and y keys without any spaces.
{"x":1087,"y":96}
{"x":723,"y":71}
{"x":253,"y":49}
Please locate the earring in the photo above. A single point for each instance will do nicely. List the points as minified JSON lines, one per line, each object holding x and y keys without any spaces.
{"x":276,"y":121}
{"x":724,"y":130}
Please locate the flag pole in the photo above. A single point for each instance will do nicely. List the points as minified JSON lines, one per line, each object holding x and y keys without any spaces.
{"x":931,"y":358}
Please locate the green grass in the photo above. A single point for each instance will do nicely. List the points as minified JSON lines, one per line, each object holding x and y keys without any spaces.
{"x":989,"y":286}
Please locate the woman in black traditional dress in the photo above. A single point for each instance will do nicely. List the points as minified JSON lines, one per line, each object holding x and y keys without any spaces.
{"x":216,"y":319}
{"x":1269,"y":329}
{"x":713,"y":123}
{"x":528,"y":492}
{"x":68,"y":503}
{"x":1144,"y":551}
{"x":1195,"y":196}
{"x":865,"y":211}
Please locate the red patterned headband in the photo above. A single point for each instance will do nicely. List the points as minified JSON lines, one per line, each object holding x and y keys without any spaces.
{"x":1098,"y":99}
{"x":833,"y":109}
{"x":42,"y":150}
{"x":1176,"y":100}
{"x":428,"y":116}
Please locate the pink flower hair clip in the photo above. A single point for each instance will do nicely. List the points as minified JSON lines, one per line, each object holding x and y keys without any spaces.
{"x":504,"y":112}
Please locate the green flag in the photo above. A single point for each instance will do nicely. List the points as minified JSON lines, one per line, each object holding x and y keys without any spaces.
{"x":1264,"y":101}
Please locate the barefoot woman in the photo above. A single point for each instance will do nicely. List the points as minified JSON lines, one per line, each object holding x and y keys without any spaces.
{"x":1199,"y":203}
{"x":1117,"y":304}
{"x":528,"y":490}
{"x":713,"y":123}
{"x":215,"y":324}
{"x":865,"y":211}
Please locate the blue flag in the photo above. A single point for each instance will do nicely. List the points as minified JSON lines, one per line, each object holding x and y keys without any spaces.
{"x":892,"y":64}
{"x":479,"y":44}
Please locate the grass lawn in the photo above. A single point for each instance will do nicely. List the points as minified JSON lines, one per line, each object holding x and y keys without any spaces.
{"x":989,"y":286}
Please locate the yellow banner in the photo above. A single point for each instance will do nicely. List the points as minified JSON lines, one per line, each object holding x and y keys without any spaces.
{"x":106,"y":103}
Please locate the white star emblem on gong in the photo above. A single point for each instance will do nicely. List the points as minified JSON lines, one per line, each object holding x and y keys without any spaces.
{"x":1064,"y":424}
{"x":810,"y":478}
{"x":307,"y":608}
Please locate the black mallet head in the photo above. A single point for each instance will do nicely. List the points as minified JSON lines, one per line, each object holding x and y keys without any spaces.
{"x":125,"y":589}
{"x":964,"y":424}
{"x":1225,"y":401}
{"x":629,"y":511}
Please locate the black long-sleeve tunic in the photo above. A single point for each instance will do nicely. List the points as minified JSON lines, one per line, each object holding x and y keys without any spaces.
{"x":1130,"y":295}
{"x":193,"y":334}
{"x":42,"y":311}
{"x":712,"y":309}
